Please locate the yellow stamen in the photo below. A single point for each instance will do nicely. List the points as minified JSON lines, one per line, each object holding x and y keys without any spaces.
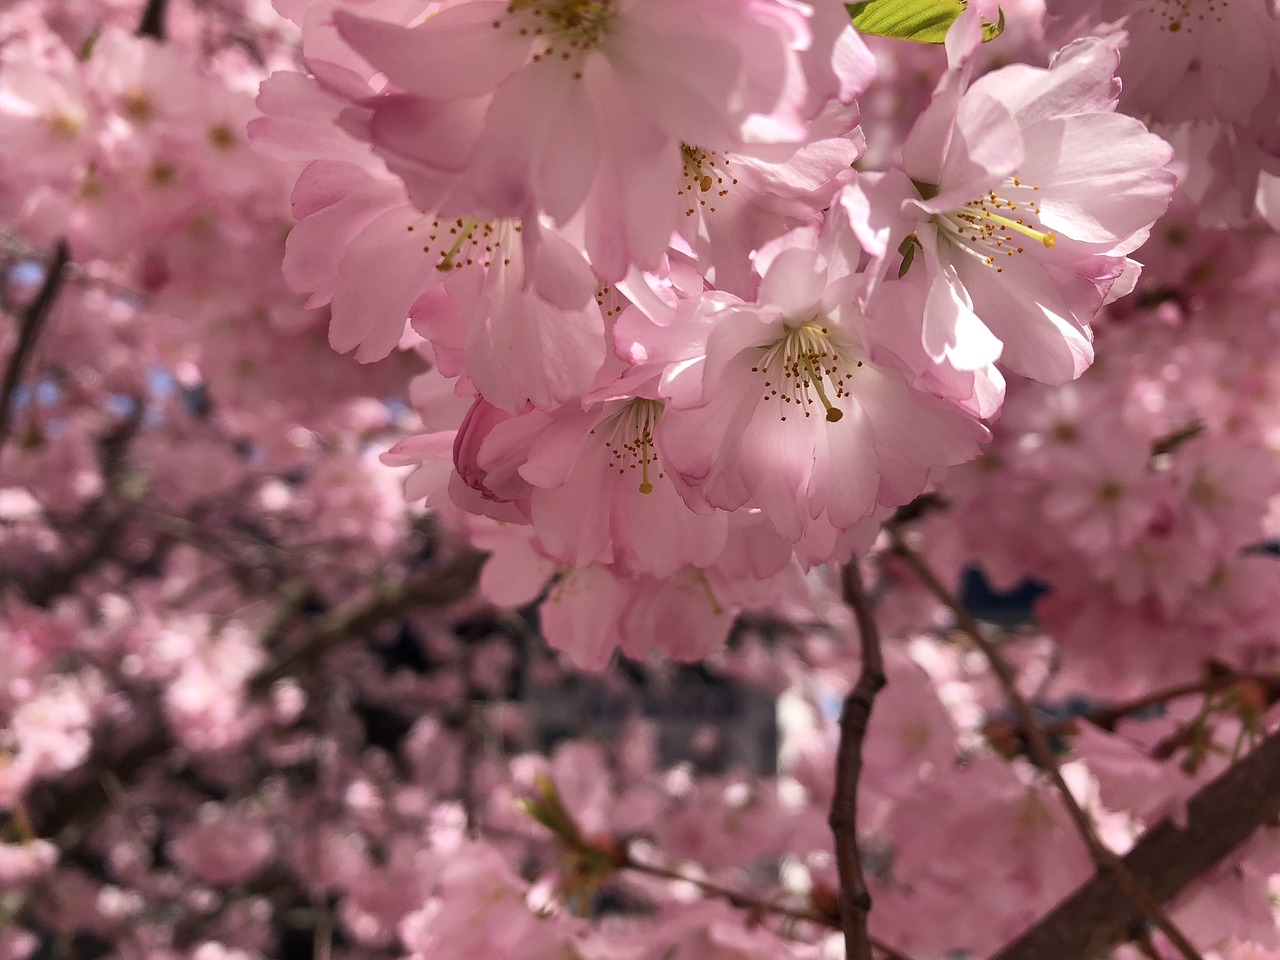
{"x":645,"y":485}
{"x":815,"y":380}
{"x":465,"y":230}
{"x":630,"y":443}
{"x":1047,"y":237}
{"x":801,"y":366}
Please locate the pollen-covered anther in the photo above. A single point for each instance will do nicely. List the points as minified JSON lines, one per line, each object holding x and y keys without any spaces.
{"x":706,"y":177}
{"x":805,"y":368}
{"x":1179,"y":15}
{"x":564,"y":29}
{"x":630,"y":440}
{"x":998,"y":223}
{"x":463,"y":241}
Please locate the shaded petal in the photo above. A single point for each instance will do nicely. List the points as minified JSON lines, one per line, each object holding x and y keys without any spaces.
{"x":457,"y":53}
{"x":381,"y":275}
{"x":580,"y":616}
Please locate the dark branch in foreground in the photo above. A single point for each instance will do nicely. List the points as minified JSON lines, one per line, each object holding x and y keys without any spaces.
{"x":31,"y":324}
{"x":1098,"y":916}
{"x":151,"y":23}
{"x":855,"y":901}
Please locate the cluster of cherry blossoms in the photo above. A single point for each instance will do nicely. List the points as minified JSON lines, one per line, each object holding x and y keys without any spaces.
{"x":689,"y":331}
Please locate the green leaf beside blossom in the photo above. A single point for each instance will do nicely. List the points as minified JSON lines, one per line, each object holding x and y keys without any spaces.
{"x":924,"y":21}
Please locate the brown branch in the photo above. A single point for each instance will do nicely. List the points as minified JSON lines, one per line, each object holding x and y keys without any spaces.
{"x":855,"y":901}
{"x":1097,"y":917}
{"x":106,"y":517}
{"x":78,"y":802}
{"x":472,"y":741}
{"x":1218,"y":678}
{"x":430,"y":588}
{"x":735,"y":898}
{"x":32,"y":322}
{"x":1107,"y":862}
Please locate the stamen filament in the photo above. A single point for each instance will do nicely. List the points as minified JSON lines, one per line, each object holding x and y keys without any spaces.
{"x":1047,"y":237}
{"x":630,"y":443}
{"x":645,"y":485}
{"x":815,"y":380}
{"x":464,"y":234}
{"x":801,"y":366}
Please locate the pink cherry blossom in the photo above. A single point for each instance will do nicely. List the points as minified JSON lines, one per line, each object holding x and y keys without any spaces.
{"x":1020,"y":197}
{"x":586,"y":107}
{"x":794,"y":418}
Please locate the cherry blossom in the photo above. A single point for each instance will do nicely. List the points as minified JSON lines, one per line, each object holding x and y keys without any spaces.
{"x":1019,"y":215}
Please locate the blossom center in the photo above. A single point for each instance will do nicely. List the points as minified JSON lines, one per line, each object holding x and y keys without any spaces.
{"x":998,"y":224}
{"x":564,"y":28}
{"x":1177,"y":14}
{"x":805,"y":368}
{"x":465,"y":241}
{"x":706,"y":179}
{"x":630,"y":439}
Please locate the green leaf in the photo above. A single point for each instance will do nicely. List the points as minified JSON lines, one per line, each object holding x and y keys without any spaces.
{"x":91,"y":41}
{"x":908,"y":250}
{"x":546,"y":807}
{"x":924,"y":21}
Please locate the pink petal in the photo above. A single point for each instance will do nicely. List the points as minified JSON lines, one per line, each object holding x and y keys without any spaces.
{"x":456,"y":54}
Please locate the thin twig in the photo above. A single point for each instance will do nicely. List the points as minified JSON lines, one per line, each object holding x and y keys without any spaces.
{"x":322,"y":936}
{"x":855,"y":901}
{"x":430,"y":588}
{"x":472,"y":743}
{"x":735,"y":898}
{"x":1104,"y":858}
{"x":753,"y":904}
{"x":1109,"y":716}
{"x":31,"y":324}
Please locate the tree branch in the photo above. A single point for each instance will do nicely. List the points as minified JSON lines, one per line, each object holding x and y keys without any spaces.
{"x":430,"y":588}
{"x":752,"y":904}
{"x":1006,"y":734}
{"x":106,"y":518}
{"x":855,"y":901}
{"x":1097,"y":917}
{"x":1103,"y":856}
{"x":79,"y":802}
{"x":151,"y":23}
{"x":31,"y":324}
